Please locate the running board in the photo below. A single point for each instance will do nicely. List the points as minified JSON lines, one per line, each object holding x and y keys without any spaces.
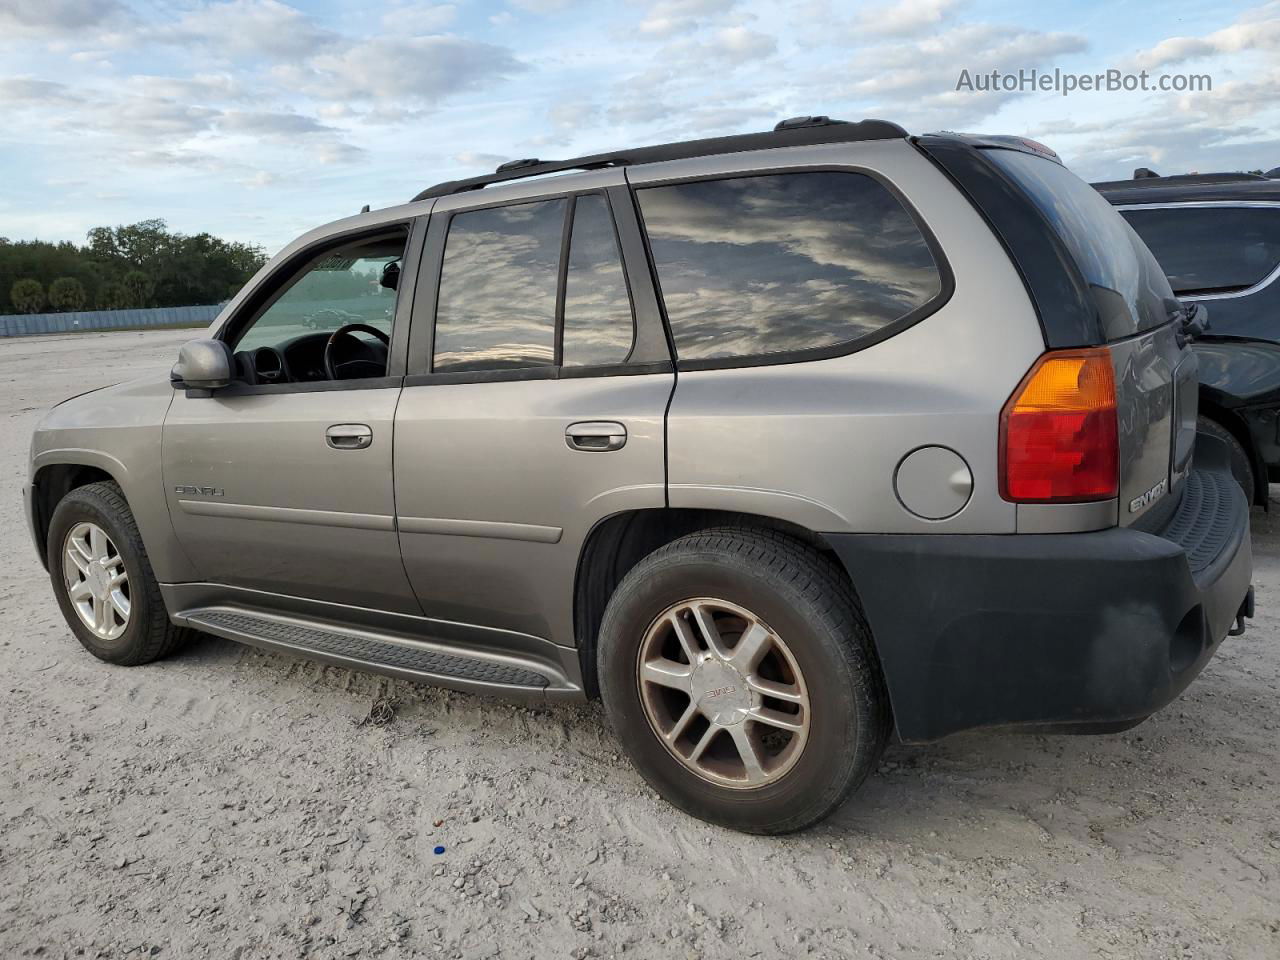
{"x":409,"y":659}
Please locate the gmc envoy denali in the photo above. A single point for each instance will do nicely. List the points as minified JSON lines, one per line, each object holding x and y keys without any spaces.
{"x":781,"y":444}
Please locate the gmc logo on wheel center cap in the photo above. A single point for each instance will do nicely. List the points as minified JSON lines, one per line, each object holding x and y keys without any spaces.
{"x":719,"y":692}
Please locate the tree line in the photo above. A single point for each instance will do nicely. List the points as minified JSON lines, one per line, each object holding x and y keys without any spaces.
{"x":119,"y":268}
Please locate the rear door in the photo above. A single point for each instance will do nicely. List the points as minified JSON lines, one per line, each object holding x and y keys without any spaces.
{"x":538,"y":382}
{"x":1139,"y":319}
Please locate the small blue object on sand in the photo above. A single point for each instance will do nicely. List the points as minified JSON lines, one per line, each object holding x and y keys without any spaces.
{"x":439,"y":850}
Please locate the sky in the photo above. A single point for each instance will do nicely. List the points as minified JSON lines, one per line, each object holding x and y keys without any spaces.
{"x":256,"y":120}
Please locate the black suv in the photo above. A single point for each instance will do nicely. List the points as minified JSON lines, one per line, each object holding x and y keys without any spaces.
{"x":1217,"y":236}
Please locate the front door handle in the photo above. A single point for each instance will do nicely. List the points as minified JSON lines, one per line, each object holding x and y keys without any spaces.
{"x":348,"y":436}
{"x":595,"y":436}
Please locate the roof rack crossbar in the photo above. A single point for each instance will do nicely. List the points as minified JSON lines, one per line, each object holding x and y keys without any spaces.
{"x":825,"y":131}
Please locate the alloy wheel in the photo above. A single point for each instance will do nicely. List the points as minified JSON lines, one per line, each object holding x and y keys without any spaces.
{"x":723,"y":693}
{"x":96,"y":580}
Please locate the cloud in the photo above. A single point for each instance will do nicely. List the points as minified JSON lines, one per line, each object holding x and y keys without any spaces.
{"x":145,"y":119}
{"x":32,"y":92}
{"x":486,"y":160}
{"x":933,"y":63}
{"x":1255,"y":29}
{"x":408,"y":70}
{"x":915,"y":81}
{"x":416,"y":19}
{"x":905,"y":18}
{"x":63,"y":17}
{"x":541,"y":6}
{"x":248,"y":30}
{"x":266,"y":124}
{"x":670,"y":17}
{"x":740,"y":45}
{"x":200,"y":88}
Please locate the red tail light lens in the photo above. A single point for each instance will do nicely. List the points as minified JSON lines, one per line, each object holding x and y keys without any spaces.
{"x":1058,"y":436}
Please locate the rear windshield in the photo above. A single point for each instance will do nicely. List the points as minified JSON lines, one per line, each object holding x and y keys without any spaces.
{"x":1129,"y":289}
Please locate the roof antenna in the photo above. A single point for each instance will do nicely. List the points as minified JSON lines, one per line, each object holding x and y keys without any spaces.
{"x":365,"y":208}
{"x":1145,"y":173}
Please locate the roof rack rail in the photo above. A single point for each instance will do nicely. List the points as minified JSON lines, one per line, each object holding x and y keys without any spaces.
{"x":1180,"y":179}
{"x":796,"y":132}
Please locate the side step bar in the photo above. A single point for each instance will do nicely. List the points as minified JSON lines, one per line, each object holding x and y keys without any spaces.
{"x":406,"y":658}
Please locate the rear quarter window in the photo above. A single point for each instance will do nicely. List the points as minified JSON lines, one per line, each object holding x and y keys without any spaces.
{"x":1207,"y":249}
{"x":778,"y":264}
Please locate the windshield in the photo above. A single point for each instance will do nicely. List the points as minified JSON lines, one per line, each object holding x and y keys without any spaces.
{"x":1128,"y":287}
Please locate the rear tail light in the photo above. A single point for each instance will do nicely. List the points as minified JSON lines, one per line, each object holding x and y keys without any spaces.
{"x":1058,"y":436}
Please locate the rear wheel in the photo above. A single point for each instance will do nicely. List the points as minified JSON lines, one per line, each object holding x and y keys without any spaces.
{"x":738,"y":672}
{"x":1241,"y":465}
{"x":103,"y":579}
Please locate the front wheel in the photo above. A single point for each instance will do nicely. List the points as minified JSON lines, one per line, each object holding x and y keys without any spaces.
{"x":103,"y":579}
{"x":739,"y":675}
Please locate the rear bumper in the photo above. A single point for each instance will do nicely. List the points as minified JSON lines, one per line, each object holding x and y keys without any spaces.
{"x":1085,"y":630}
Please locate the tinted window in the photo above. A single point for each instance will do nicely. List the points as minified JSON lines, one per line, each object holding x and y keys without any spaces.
{"x":1129,"y":289}
{"x":341,"y":287}
{"x":773,"y":264}
{"x":1211,"y":248}
{"x":598,"y":325}
{"x":497,"y":303}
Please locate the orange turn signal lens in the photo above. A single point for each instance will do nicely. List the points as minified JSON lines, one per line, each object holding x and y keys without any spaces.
{"x":1058,"y":437}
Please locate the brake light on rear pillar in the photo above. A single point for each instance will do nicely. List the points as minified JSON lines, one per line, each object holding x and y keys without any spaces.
{"x":1058,"y":436}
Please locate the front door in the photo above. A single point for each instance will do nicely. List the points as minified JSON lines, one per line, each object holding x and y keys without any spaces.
{"x":282,"y":482}
{"x":537,"y":409}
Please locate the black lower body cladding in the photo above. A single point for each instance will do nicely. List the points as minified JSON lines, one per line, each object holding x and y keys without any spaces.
{"x":1084,"y":630}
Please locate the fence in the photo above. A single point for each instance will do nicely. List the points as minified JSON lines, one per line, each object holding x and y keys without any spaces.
{"x":24,"y":325}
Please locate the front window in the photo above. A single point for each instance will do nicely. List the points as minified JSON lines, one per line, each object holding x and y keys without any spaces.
{"x":350,"y":288}
{"x":352,"y":284}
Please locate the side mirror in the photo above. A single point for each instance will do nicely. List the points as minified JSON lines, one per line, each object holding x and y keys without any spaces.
{"x":202,"y":365}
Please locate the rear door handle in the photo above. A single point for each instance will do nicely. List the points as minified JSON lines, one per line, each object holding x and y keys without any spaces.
{"x":595,"y":436}
{"x":348,"y":436}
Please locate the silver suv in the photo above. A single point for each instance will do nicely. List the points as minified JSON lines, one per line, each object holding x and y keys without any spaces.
{"x":781,"y":444}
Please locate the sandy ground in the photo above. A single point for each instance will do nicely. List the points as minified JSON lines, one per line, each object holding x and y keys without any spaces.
{"x":227,"y":803}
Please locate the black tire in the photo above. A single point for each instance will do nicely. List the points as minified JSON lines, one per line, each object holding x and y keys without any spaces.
{"x":804,"y":597}
{"x":149,"y":634}
{"x":1241,"y":465}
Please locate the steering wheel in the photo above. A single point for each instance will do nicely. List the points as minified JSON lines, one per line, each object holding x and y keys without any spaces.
{"x":346,"y":330}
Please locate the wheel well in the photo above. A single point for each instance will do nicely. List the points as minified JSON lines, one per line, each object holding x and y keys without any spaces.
{"x":53,"y":483}
{"x":1234,"y":424}
{"x":618,"y":543}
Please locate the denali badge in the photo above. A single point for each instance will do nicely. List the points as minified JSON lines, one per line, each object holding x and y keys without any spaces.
{"x":1137,"y":503}
{"x":183,"y":489}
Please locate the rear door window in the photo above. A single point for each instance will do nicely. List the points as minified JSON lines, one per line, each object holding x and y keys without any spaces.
{"x":497,"y":301}
{"x":599,"y":327}
{"x":1128,"y":287}
{"x":782,"y":263}
{"x":1209,"y":249}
